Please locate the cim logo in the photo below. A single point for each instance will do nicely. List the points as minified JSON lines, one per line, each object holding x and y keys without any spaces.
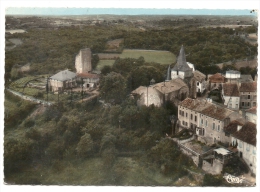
{"x":232,"y":179}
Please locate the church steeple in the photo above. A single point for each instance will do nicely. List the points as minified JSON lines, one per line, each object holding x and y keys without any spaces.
{"x":168,"y":75}
{"x":181,"y":61}
{"x":181,"y":68}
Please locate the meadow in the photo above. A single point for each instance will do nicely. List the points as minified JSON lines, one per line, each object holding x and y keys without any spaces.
{"x":162,"y":57}
{"x":150,"y":56}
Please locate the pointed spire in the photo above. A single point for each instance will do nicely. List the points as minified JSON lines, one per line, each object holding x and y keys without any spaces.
{"x":181,"y":61}
{"x":168,"y":75}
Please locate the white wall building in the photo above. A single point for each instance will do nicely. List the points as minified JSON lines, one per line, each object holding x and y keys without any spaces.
{"x":245,"y":138}
{"x":230,"y":94}
{"x":251,"y":115}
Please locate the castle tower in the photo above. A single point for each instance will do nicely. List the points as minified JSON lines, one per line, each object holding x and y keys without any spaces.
{"x":83,"y":61}
{"x":181,"y":69}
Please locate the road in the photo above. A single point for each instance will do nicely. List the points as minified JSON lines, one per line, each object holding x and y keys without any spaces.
{"x":29,"y":98}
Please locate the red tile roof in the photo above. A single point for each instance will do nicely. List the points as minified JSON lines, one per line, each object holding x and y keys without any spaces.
{"x":232,"y":127}
{"x":247,"y":133}
{"x":207,"y":108}
{"x":248,"y":87}
{"x":217,"y":78}
{"x":252,"y":110}
{"x":88,"y":75}
{"x":230,"y":89}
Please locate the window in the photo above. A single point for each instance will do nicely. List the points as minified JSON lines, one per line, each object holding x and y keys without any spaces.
{"x":183,"y":123}
{"x":201,"y":121}
{"x":182,"y":113}
{"x":195,"y":118}
{"x":254,"y":104}
{"x":191,"y":116}
{"x":179,"y":112}
{"x":248,"y":104}
{"x":242,"y":104}
{"x":186,"y":114}
{"x":213,"y":126}
{"x":240,"y":144}
{"x":248,"y":96}
{"x":218,"y":128}
{"x":247,"y":147}
{"x":186,"y":123}
{"x":206,"y":123}
{"x":198,"y":83}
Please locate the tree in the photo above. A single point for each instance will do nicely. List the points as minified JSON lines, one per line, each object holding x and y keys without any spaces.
{"x":212,"y":180}
{"x":113,"y":88}
{"x":106,"y":69}
{"x":85,"y":145}
{"x":94,"y":61}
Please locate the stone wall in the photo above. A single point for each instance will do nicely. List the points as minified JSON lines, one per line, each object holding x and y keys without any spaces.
{"x":214,"y":168}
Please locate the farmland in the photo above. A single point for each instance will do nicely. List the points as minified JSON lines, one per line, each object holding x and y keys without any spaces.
{"x":162,"y":57}
{"x":150,"y":56}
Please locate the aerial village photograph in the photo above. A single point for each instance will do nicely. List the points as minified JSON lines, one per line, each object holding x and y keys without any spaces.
{"x":130,"y":97}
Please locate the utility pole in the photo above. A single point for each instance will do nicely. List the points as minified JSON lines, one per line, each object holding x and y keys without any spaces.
{"x":81,"y":89}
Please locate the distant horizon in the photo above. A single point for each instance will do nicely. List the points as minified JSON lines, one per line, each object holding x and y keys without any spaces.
{"x":38,"y":11}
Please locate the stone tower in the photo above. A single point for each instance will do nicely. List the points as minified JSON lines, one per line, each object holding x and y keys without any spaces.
{"x":181,"y":69}
{"x":83,"y":61}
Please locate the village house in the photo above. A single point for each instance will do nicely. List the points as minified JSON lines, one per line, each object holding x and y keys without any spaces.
{"x":62,"y":80}
{"x":216,"y":81}
{"x":200,"y":81}
{"x":248,"y":94}
{"x":206,"y":119}
{"x":251,"y":115}
{"x":89,"y":80}
{"x":83,"y":61}
{"x":245,"y":140}
{"x":230,"y":95}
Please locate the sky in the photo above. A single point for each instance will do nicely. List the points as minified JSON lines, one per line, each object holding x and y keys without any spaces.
{"x":123,"y":11}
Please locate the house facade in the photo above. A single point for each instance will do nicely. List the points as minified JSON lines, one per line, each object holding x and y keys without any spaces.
{"x":206,"y":119}
{"x":62,"y":80}
{"x":230,"y":95}
{"x":251,"y":115}
{"x":248,"y":95}
{"x":245,"y":139}
{"x":216,"y":81}
{"x":89,"y":80}
{"x":200,"y":81}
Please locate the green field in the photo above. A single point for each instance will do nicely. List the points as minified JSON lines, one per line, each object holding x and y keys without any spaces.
{"x":102,"y":63}
{"x":162,"y":57}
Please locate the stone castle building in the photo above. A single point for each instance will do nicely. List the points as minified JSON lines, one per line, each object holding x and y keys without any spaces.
{"x":83,"y":61}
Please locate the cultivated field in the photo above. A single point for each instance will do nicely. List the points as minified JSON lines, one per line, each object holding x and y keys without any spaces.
{"x":102,"y":63}
{"x":239,"y":64}
{"x":162,"y":57}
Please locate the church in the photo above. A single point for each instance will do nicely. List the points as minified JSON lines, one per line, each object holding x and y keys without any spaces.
{"x":181,"y":81}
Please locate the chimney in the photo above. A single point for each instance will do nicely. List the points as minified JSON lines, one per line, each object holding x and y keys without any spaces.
{"x":239,"y":127}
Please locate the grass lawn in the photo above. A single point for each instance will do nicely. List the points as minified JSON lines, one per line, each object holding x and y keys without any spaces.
{"x":162,"y":57}
{"x":102,"y":63}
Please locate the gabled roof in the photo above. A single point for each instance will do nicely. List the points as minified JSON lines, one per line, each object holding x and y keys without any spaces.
{"x":217,"y":78}
{"x":232,"y":127}
{"x":88,"y":75}
{"x":252,"y":110}
{"x":248,"y":87}
{"x":198,"y":76}
{"x":206,"y":108}
{"x":63,"y":75}
{"x":181,"y":64}
{"x":170,"y":86}
{"x":230,"y":89}
{"x":247,"y":133}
